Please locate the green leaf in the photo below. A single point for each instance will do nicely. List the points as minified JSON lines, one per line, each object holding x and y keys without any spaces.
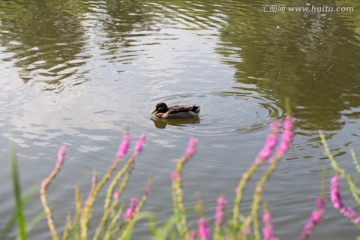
{"x":17,"y":192}
{"x":163,"y":231}
{"x":9,"y":226}
{"x":149,"y":216}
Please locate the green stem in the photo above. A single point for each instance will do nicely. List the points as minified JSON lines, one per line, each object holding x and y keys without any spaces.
{"x":86,"y":213}
{"x":334,"y":164}
{"x":356,"y":162}
{"x":258,"y":194}
{"x":109,"y":232}
{"x":178,"y":199}
{"x":131,"y":223}
{"x":239,"y":192}
{"x":44,"y":185}
{"x":67,"y":227}
{"x":110,"y":190}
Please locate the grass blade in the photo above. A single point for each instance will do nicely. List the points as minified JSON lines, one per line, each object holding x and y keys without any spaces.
{"x":17,"y":192}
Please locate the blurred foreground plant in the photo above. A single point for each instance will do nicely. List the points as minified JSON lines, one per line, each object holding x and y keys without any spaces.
{"x":21,"y":202}
{"x":335,"y":193}
{"x":239,"y":225}
{"x":112,"y":226}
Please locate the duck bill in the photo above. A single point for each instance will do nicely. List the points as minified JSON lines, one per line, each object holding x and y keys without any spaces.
{"x":154,"y":110}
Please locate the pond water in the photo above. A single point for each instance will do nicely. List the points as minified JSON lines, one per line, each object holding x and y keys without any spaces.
{"x":78,"y":72}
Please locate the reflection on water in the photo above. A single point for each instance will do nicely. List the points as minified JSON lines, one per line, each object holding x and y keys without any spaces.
{"x":248,"y":113}
{"x":79,"y":71}
{"x":300,"y":56}
{"x":162,"y":123}
{"x":44,"y":40}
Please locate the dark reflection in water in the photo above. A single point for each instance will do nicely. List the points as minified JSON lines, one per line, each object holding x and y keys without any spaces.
{"x":121,"y":27}
{"x":304,"y":56}
{"x":162,"y":123}
{"x":126,"y":16}
{"x":44,"y":38}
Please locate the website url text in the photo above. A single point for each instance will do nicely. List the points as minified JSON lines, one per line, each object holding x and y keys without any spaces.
{"x":312,"y":8}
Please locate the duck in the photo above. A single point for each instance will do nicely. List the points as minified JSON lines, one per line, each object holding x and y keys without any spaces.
{"x":175,"y":112}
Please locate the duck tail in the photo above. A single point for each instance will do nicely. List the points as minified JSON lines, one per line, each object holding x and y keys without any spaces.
{"x":196,"y":109}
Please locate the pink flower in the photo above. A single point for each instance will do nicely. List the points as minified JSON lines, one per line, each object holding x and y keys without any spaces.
{"x":93,"y":181}
{"x":267,"y":217}
{"x":338,"y":203}
{"x":191,"y":149}
{"x":289,"y":123}
{"x":131,"y":210}
{"x":219,"y":215}
{"x":124,"y":146}
{"x":315,"y":218}
{"x":148,"y":190}
{"x":268,"y":230}
{"x":270,"y":143}
{"x":139,"y":144}
{"x":204,"y":232}
{"x":287,"y":136}
{"x":335,"y":193}
{"x":175,"y":176}
{"x":116,"y":195}
{"x":61,"y":155}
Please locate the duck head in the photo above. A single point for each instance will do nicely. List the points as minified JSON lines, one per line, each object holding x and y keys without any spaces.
{"x":160,"y":107}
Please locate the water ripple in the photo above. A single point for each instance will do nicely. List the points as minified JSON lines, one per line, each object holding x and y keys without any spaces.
{"x":219,"y":117}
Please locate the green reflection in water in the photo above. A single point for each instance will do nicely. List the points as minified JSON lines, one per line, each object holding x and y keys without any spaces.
{"x":312,"y":58}
{"x":305,"y":56}
{"x":42,"y":37}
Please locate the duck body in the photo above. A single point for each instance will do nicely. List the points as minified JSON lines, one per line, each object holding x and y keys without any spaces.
{"x":175,"y":112}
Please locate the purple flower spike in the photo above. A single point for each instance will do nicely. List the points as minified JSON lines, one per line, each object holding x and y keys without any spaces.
{"x":287,"y":136}
{"x":204,"y":232}
{"x":267,"y":217}
{"x":315,"y":218}
{"x":219,"y":215}
{"x":139,"y":144}
{"x":61,"y":155}
{"x":335,"y":193}
{"x":191,"y":149}
{"x":175,"y":176}
{"x":269,"y":145}
{"x":268,"y":230}
{"x":338,"y":203}
{"x":124,"y":146}
{"x":131,"y":210}
{"x":148,"y":190}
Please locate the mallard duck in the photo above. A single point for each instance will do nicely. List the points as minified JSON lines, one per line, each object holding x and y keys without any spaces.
{"x":178,"y":111}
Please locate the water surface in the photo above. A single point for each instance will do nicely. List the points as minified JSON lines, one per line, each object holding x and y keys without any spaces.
{"x":78,"y":72}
